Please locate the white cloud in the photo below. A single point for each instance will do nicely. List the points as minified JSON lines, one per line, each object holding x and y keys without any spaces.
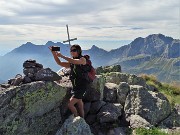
{"x":43,"y":20}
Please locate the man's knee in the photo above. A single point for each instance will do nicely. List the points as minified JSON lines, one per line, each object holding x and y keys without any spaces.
{"x":71,"y":104}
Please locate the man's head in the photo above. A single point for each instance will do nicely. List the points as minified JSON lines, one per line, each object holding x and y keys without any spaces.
{"x":75,"y":50}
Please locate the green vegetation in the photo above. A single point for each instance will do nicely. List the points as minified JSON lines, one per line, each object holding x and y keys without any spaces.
{"x":171,"y":91}
{"x":166,"y":70}
{"x":153,"y":131}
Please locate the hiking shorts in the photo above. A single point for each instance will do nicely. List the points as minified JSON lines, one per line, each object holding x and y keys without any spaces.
{"x":79,"y":90}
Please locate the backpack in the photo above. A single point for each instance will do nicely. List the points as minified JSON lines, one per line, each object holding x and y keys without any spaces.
{"x":89,"y":71}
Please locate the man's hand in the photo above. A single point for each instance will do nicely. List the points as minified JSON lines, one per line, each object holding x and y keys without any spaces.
{"x":53,"y":52}
{"x":59,"y":54}
{"x":50,"y":48}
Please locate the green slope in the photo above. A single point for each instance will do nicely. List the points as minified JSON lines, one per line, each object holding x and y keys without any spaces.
{"x":166,"y":70}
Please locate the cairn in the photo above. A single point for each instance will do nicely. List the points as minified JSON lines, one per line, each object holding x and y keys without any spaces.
{"x":33,"y":71}
{"x":31,"y":67}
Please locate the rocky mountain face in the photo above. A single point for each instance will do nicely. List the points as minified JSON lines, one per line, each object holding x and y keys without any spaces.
{"x":156,"y":54}
{"x":10,"y":63}
{"x":113,"y":103}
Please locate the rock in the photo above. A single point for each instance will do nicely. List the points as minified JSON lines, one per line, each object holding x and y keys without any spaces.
{"x":173,"y":120}
{"x":135,"y":80}
{"x":27,"y":79}
{"x":91,"y":118}
{"x":87,"y":106}
{"x":64,"y":71}
{"x":47,"y":75}
{"x":118,"y":131}
{"x":31,"y":67}
{"x":122,"y":92}
{"x":109,"y":113}
{"x":95,"y":128}
{"x":151,"y":106}
{"x":5,"y":85}
{"x":116,"y":77}
{"x":171,"y":131}
{"x":110,"y":92}
{"x":107,"y":69}
{"x":31,"y":63}
{"x":18,"y":80}
{"x":95,"y":90}
{"x":152,"y":88}
{"x":32,"y":108}
{"x":137,"y":121}
{"x":96,"y":106}
{"x":65,"y":82}
{"x":35,"y":72}
{"x":74,"y":126}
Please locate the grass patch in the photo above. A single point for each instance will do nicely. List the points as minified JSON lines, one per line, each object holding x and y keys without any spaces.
{"x":171,"y":91}
{"x":153,"y":131}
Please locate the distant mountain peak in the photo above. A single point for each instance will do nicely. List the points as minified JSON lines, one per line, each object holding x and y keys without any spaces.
{"x":156,"y":36}
{"x":49,"y":43}
{"x":161,"y":37}
{"x":137,"y":40}
{"x":94,"y":47}
{"x":29,"y":43}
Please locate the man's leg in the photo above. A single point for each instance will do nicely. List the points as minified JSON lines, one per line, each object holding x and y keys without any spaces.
{"x":71,"y":104}
{"x":81,"y":108}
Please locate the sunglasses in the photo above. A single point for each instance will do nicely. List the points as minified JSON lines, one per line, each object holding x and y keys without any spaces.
{"x":73,"y":50}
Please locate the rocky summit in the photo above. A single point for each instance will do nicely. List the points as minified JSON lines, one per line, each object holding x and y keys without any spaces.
{"x":114,"y":104}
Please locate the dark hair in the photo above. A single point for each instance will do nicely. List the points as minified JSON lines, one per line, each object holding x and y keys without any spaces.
{"x":78,"y":48}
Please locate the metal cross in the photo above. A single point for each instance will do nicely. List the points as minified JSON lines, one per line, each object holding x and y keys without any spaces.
{"x":69,"y":37}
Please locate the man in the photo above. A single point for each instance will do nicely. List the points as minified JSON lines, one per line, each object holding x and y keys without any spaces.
{"x":78,"y":81}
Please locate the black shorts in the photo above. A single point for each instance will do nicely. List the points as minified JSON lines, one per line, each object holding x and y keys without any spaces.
{"x":79,"y":89}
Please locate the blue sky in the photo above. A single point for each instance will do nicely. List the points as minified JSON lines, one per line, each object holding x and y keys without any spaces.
{"x":108,"y":24}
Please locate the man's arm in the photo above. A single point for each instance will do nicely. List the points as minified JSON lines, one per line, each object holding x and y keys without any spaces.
{"x":63,"y":64}
{"x":82,"y":60}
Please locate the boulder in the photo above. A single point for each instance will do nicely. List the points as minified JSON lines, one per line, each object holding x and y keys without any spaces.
{"x":173,"y":120}
{"x":96,"y":106}
{"x":110,"y":92}
{"x":122,"y":92}
{"x":87,"y":106}
{"x":117,"y":77}
{"x":137,"y":121}
{"x":118,"y":131}
{"x":47,"y":75}
{"x":136,"y":80}
{"x":74,"y":126}
{"x":109,"y":113}
{"x":91,"y":119}
{"x":107,"y":69}
{"x":95,"y":90}
{"x":33,"y":108}
{"x":151,"y":106}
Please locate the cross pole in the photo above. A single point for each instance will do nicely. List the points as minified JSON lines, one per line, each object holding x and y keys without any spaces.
{"x":69,"y":37}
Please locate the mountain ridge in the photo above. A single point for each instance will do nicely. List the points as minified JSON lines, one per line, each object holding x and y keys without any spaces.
{"x":132,"y":56}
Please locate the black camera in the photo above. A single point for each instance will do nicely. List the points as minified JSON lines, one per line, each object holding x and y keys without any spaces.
{"x":55,"y":48}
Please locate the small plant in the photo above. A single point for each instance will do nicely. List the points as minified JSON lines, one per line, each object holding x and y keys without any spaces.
{"x":153,"y":131}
